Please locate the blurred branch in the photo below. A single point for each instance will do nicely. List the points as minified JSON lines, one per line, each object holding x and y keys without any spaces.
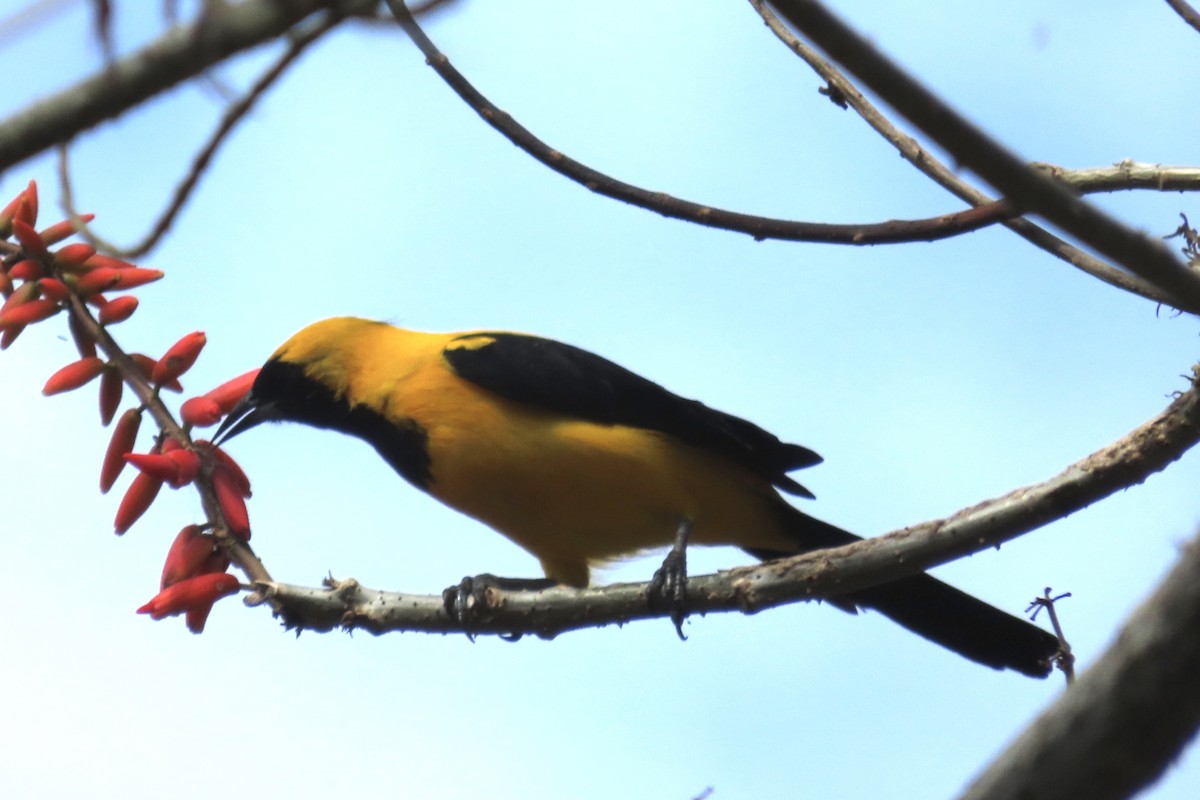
{"x":1123,"y":722}
{"x":759,"y":227}
{"x":824,"y":573}
{"x":1189,"y":14}
{"x":300,"y":40}
{"x":849,"y":95}
{"x":223,"y":30}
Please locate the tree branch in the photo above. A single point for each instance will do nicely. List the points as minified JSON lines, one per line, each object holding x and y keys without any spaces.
{"x":229,"y":120}
{"x":825,"y":573}
{"x":1119,"y":726}
{"x":221,"y":31}
{"x":1020,"y":184}
{"x":891,"y":232}
{"x":1185,"y":11}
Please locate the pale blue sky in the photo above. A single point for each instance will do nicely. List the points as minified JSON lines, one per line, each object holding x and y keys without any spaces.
{"x":928,"y":376}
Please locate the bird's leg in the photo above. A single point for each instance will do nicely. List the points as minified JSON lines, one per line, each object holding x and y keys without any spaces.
{"x":669,"y":583}
{"x":468,"y":603}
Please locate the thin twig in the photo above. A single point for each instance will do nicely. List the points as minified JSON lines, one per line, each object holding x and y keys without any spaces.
{"x":759,"y":227}
{"x":229,"y":120}
{"x":1125,"y":720}
{"x":826,"y":573}
{"x":927,"y":163}
{"x":1064,"y":659}
{"x":1025,"y":187}
{"x":182,"y":53}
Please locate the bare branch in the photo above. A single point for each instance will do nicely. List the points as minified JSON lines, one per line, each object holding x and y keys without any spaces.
{"x":1025,"y":187}
{"x":229,"y":120}
{"x":927,"y":163}
{"x":1189,"y":14}
{"x":826,"y":573}
{"x":759,"y":227}
{"x":1127,"y":175}
{"x":1119,"y":726}
{"x":222,"y":31}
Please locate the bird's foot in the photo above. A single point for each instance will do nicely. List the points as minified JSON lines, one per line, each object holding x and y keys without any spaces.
{"x":470,"y":601}
{"x":669,"y":584}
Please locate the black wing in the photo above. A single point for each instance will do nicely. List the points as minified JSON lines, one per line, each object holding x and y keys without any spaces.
{"x":567,"y":380}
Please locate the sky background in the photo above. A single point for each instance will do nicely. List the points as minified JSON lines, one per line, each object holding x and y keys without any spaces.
{"x":929,"y":376}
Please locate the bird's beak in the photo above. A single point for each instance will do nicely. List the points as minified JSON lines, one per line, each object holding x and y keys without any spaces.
{"x":248,"y":412}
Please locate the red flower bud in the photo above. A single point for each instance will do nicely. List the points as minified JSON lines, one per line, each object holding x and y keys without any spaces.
{"x":54,"y":289}
{"x":123,"y":438}
{"x":98,"y":280}
{"x":73,"y":254}
{"x":192,"y":553}
{"x":157,"y":465}
{"x":146,"y":365}
{"x":29,"y":313}
{"x":118,"y":309}
{"x":179,"y":358}
{"x":111,"y":387}
{"x":21,"y":295}
{"x":137,"y":499}
{"x":28,"y":270}
{"x":134,"y":277}
{"x":30,"y":239}
{"x":100,"y":260}
{"x":187,"y":463}
{"x":229,"y":393}
{"x":191,"y":594}
{"x":27,"y":209}
{"x":73,"y":375}
{"x":233,"y":507}
{"x":64,"y":230}
{"x":200,"y":412}
{"x":224,"y":460}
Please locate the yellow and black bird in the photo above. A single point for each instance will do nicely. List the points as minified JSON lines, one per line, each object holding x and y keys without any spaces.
{"x":580,"y":461}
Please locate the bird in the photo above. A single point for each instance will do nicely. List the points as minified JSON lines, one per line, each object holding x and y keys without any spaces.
{"x":580,"y":461}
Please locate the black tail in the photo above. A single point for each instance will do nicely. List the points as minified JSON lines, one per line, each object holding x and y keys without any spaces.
{"x":935,"y":610}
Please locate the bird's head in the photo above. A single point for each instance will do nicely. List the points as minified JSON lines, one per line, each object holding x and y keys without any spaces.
{"x":305,"y":380}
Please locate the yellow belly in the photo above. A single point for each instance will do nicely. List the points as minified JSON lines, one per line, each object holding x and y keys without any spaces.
{"x":576,"y":493}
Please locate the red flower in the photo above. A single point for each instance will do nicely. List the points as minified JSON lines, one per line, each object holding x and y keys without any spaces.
{"x":195,"y":596}
{"x":73,"y":375}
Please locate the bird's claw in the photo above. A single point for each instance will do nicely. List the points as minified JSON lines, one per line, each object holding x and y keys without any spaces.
{"x":669,"y":584}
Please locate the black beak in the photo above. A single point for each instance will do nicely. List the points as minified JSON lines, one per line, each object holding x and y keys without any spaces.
{"x":248,"y":412}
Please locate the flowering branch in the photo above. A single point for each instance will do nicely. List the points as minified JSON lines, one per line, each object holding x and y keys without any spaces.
{"x":825,"y":573}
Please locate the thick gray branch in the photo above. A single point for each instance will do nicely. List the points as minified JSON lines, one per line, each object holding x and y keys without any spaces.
{"x":182,"y":53}
{"x":1124,"y":720}
{"x":1126,"y":462}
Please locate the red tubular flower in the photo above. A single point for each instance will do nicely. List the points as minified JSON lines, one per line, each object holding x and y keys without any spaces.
{"x":73,"y":254}
{"x":123,"y":438}
{"x":192,"y":553}
{"x":112,"y":385}
{"x":63,"y":230}
{"x":137,"y":499}
{"x":27,"y":208}
{"x":118,"y":309}
{"x":28,"y":313}
{"x":227,"y":394}
{"x":146,"y":365}
{"x":187,"y":463}
{"x":179,"y":358}
{"x":191,"y":594}
{"x":159,"y":466}
{"x":200,"y":412}
{"x":30,"y":239}
{"x":28,"y":270}
{"x":233,"y":506}
{"x":73,"y":375}
{"x":100,"y":260}
{"x":133,"y":277}
{"x":54,"y":289}
{"x":97,"y":280}
{"x":20,"y":296}
{"x":226,"y":462}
